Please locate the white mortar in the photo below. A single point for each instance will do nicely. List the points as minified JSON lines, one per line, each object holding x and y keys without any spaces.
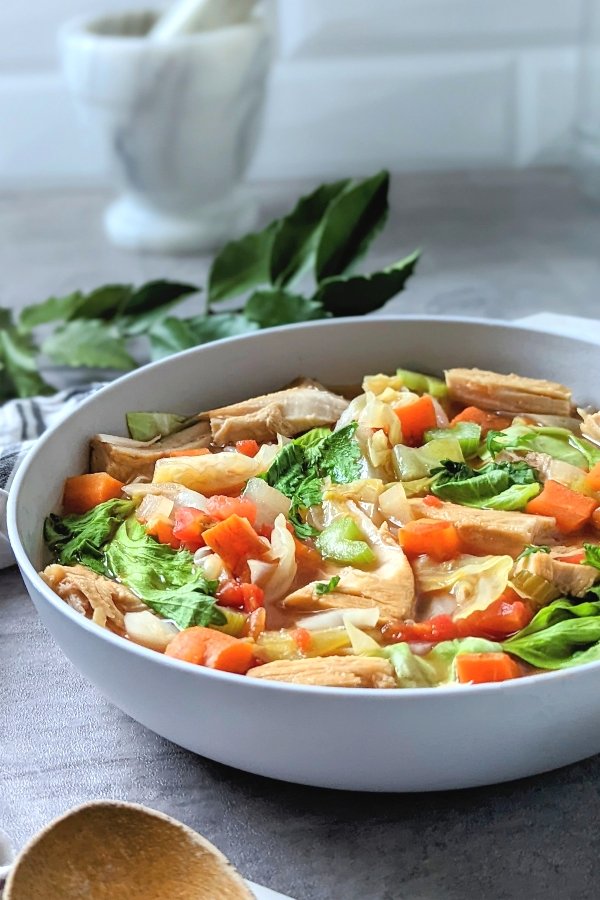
{"x":181,"y":119}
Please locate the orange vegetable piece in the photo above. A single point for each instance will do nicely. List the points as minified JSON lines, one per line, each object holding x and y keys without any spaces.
{"x":162,"y":530}
{"x":207,"y":647}
{"x":479,"y":668}
{"x":487,"y":420}
{"x":199,"y":451}
{"x":416,"y":418}
{"x":436,"y":538}
{"x":570,"y":509}
{"x":592,"y":479}
{"x":248,"y":448}
{"x":219,"y":506}
{"x":83,"y":492}
{"x":302,"y":638}
{"x":235,"y":541}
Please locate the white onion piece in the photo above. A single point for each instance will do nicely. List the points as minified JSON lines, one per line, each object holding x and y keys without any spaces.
{"x":441,"y":418}
{"x":260,"y":571}
{"x":269,"y":502}
{"x":361,"y":642}
{"x":148,"y":630}
{"x":394,"y":505}
{"x":212,"y":566}
{"x":334,"y":618}
{"x":154,"y":506}
{"x":193,"y":499}
{"x":283,"y":551}
{"x":265,"y":456}
{"x":201,"y":554}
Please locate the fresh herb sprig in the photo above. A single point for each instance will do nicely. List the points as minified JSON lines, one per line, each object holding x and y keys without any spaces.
{"x":326,"y":234}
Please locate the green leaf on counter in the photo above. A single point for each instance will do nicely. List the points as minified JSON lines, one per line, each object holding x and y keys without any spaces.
{"x":268,"y":308}
{"x":54,"y":309}
{"x":151,"y":302}
{"x":165,"y":579}
{"x":88,"y":342}
{"x":170,"y":335}
{"x":82,"y":539}
{"x":357,"y":295}
{"x":242,"y":265}
{"x":352,"y":220}
{"x":19,"y":375}
{"x":295,"y":242}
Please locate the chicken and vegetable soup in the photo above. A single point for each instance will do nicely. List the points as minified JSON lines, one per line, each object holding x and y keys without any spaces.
{"x":412,"y":532}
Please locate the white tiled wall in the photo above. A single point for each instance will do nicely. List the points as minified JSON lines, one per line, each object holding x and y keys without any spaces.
{"x":411,"y":84}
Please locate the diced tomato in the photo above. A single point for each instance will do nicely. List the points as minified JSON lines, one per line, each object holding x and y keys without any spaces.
{"x":432,"y":500}
{"x":248,"y":597}
{"x":221,"y":507}
{"x":416,"y":418}
{"x":436,"y":538}
{"x":303,"y":639}
{"x":248,"y":447}
{"x":188,"y":527}
{"x":431,"y":631}
{"x":481,"y":668}
{"x":255,"y":623}
{"x":488,"y":421}
{"x":253,"y":597}
{"x":162,"y":530}
{"x":505,"y":616}
{"x":576,"y":558}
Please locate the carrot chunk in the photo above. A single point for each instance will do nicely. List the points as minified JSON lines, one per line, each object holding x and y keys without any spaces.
{"x":83,"y":492}
{"x":570,"y":509}
{"x":487,"y":420}
{"x":248,"y":447}
{"x":479,"y":668}
{"x":592,"y":479}
{"x":235,"y":541}
{"x":207,"y":647}
{"x":434,"y":537}
{"x":416,"y":418}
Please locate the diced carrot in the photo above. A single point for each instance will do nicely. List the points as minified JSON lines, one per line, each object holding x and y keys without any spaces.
{"x":432,"y":500}
{"x":570,"y":509}
{"x":592,"y":479}
{"x":256,"y":623}
{"x":479,"y":668}
{"x":207,"y":647}
{"x":415,"y":419}
{"x":306,"y":555}
{"x":303,"y":639}
{"x":235,"y":541}
{"x":437,"y":539}
{"x":83,"y":492}
{"x":248,"y":447}
{"x":221,"y":507}
{"x":488,"y":421}
{"x":162,"y":530}
{"x":199,"y":451}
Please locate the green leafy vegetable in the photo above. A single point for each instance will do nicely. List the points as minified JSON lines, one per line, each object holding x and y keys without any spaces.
{"x":88,"y":342}
{"x":505,"y":486}
{"x":559,"y":636}
{"x":326,"y":587}
{"x":312,"y":437}
{"x":166,"y":580}
{"x":436,"y":667}
{"x":295,"y":243}
{"x":468,"y":435}
{"x":83,"y":538}
{"x":559,"y":443}
{"x":592,"y":555}
{"x":531,"y":549}
{"x":360,"y":294}
{"x":344,"y":542}
{"x":352,"y":220}
{"x":145,"y":426}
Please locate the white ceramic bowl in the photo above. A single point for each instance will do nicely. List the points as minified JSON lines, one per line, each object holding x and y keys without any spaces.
{"x":409,"y":740}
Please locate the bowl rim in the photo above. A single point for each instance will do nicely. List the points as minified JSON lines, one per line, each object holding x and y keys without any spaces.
{"x":408,"y":694}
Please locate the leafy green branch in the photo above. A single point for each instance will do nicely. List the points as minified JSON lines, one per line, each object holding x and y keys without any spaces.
{"x":322,"y":238}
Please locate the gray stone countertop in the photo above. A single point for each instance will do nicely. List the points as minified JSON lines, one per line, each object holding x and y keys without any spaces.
{"x":496,"y":244}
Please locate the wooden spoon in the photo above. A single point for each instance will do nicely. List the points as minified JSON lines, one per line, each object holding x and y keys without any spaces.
{"x":120,"y":851}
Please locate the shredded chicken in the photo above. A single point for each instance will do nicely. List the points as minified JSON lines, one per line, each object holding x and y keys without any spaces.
{"x":490,"y":531}
{"x":330,"y":671}
{"x":288,"y":412}
{"x":92,"y":595}
{"x":125,"y":459}
{"x":568,"y":578}
{"x":590,"y":427}
{"x":390,"y":585}
{"x":509,"y":393}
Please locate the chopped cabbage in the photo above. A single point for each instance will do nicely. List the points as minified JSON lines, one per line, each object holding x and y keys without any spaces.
{"x":474,"y":581}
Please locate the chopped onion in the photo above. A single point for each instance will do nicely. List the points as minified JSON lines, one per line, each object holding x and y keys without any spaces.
{"x":154,"y":506}
{"x":193,"y":499}
{"x":117,"y":441}
{"x":440,"y":416}
{"x":201,"y":554}
{"x":335,"y":618}
{"x":268,"y":500}
{"x":260,"y":571}
{"x":212,"y":566}
{"x":148,"y":630}
{"x":361,"y":642}
{"x":394,"y":505}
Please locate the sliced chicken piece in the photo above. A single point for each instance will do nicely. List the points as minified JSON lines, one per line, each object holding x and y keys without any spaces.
{"x":288,"y":412}
{"x":509,"y":393}
{"x":330,"y":671}
{"x":94,"y":596}
{"x":389,"y":585}
{"x":490,"y":531}
{"x":547,"y":467}
{"x":590,"y":427}
{"x":568,"y":578}
{"x":125,"y":459}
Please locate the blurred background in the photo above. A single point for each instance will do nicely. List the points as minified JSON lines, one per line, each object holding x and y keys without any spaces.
{"x":408,"y":84}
